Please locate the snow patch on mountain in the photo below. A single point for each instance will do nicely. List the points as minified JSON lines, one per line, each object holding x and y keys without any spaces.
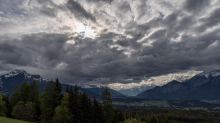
{"x":21,"y":72}
{"x":13,"y":73}
{"x":207,"y":74}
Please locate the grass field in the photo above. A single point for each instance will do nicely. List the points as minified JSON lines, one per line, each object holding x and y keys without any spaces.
{"x":8,"y":120}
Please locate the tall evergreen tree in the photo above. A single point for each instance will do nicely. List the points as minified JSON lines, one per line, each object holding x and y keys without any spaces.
{"x":85,"y":109}
{"x":96,"y":111}
{"x":8,"y":106}
{"x":62,"y":113}
{"x":71,"y":104}
{"x":58,"y":89}
{"x":67,"y":89}
{"x":15,"y":98}
{"x":35,"y":95}
{"x":107,"y":106}
{"x":48,"y":102}
{"x":25,"y":92}
{"x":35,"y":92}
{"x":75,"y":107}
{"x":3,"y":108}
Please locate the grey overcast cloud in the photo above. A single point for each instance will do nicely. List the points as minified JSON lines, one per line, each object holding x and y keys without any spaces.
{"x":119,"y":43}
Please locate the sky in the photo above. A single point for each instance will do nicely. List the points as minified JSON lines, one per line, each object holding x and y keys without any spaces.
{"x":120,"y":43}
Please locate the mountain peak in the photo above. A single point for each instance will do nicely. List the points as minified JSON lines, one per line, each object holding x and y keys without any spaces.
{"x":14,"y":73}
{"x":211,"y":73}
{"x":19,"y":71}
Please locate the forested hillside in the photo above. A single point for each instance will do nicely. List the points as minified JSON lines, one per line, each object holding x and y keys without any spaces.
{"x":73,"y":106}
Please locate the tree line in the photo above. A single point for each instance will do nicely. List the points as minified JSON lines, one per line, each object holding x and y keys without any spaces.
{"x":51,"y":106}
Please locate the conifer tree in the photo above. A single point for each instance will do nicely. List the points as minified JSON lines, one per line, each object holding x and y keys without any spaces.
{"x":35,"y":95}
{"x":15,"y":98}
{"x":8,"y":106}
{"x":75,"y":107}
{"x":62,"y":112}
{"x":58,"y":89}
{"x":48,"y":102}
{"x":67,"y":89}
{"x":121,"y":117}
{"x":96,"y":111}
{"x":107,"y":106}
{"x":85,"y":109}
{"x":71,"y":104}
{"x":25,"y":92}
{"x":3,"y":108}
{"x":35,"y":92}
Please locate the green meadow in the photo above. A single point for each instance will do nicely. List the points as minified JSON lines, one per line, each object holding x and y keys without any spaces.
{"x":8,"y":120}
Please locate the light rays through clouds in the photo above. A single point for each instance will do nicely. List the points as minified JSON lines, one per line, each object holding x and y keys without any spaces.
{"x":110,"y":41}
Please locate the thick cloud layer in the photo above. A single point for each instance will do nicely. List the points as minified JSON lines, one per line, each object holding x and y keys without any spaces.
{"x":135,"y":40}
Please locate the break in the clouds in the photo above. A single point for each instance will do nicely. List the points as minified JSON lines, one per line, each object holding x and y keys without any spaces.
{"x":109,"y":41}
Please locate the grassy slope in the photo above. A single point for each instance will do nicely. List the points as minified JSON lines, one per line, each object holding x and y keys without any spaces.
{"x":8,"y":120}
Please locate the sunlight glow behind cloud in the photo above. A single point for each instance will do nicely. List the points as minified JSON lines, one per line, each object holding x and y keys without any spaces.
{"x":85,"y":30}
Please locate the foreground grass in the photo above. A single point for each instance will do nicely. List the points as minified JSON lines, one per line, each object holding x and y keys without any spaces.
{"x":8,"y":120}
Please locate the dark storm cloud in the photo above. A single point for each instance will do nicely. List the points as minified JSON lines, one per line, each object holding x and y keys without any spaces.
{"x":51,"y":12}
{"x":169,"y":44}
{"x":79,"y":11}
{"x":196,"y":5}
{"x":94,"y":59}
{"x":73,"y":6}
{"x":210,"y":21}
{"x":105,"y":1}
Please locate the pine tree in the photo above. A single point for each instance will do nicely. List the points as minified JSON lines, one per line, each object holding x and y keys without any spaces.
{"x":75,"y":107}
{"x":85,"y":109}
{"x":58,"y":89}
{"x":8,"y":106}
{"x":95,"y":109}
{"x":48,"y":101}
{"x":107,"y":106}
{"x":71,"y":104}
{"x":3,"y":108}
{"x":35,"y":95}
{"x":25,"y":92}
{"x":121,"y":117}
{"x":35,"y":92}
{"x":67,"y":89}
{"x":15,"y":98}
{"x":62,"y":113}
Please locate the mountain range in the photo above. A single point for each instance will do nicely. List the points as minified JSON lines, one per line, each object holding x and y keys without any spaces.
{"x":8,"y":81}
{"x":204,"y":85}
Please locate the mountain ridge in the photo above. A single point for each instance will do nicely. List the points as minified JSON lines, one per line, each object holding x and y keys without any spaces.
{"x":204,"y":85}
{"x":9,"y":80}
{"x":16,"y":77}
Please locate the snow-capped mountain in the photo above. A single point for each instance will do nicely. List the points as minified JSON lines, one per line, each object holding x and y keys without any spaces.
{"x":209,"y":74}
{"x":8,"y":81}
{"x":205,"y":85}
{"x":132,"y":89}
{"x":21,"y":74}
{"x":16,"y":77}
